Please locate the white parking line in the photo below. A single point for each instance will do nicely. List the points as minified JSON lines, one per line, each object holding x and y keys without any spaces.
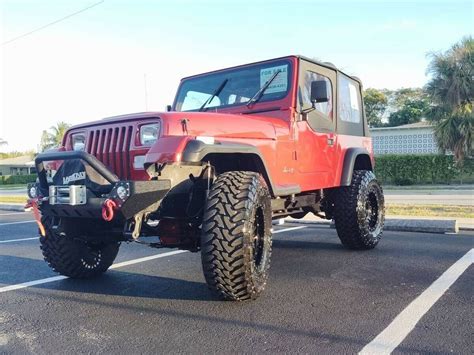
{"x":18,"y":240}
{"x":403,"y":324}
{"x":10,"y":214}
{"x":114,"y":266}
{"x":147,"y":258}
{"x":9,"y":223}
{"x":31,"y":283}
{"x":288,"y":229}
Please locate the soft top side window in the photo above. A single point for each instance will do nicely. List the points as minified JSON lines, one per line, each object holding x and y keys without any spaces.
{"x":349,"y":103}
{"x":324,"y":108}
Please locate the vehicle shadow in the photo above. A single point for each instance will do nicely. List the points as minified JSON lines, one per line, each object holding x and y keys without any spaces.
{"x":19,"y":269}
{"x":128,"y":284}
{"x":305,"y":245}
{"x":178,"y":285}
{"x":114,"y":282}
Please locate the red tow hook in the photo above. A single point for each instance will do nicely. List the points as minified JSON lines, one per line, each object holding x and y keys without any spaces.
{"x":108,"y":210}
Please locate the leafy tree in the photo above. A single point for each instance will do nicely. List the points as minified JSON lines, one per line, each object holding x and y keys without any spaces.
{"x":53,"y":137}
{"x":409,"y":105}
{"x":375,"y":103}
{"x":451,"y":90}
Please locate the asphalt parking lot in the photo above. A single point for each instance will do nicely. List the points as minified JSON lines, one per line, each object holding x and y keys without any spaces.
{"x":320,"y":298}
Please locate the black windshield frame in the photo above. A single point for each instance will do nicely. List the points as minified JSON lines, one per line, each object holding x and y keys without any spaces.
{"x":208,"y":82}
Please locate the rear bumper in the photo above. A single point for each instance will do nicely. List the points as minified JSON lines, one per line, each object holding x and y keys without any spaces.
{"x":130,"y":197}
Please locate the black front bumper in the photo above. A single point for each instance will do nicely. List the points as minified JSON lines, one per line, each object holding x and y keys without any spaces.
{"x":140,"y":195}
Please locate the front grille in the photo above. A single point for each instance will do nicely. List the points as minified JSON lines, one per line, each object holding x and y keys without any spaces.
{"x":112,"y":147}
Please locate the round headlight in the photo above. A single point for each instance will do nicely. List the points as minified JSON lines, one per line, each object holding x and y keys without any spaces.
{"x":32,"y":192}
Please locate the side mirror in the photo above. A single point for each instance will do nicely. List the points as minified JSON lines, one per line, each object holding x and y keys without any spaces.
{"x":168,"y":108}
{"x":319,"y":91}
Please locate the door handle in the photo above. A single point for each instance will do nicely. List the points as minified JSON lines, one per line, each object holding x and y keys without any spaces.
{"x":330,"y":141}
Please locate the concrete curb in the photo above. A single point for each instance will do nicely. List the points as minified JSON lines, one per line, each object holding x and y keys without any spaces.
{"x":404,"y":225}
{"x":14,"y":207}
{"x":422,"y":225}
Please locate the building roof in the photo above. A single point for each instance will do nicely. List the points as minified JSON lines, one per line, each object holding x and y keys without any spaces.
{"x":422,"y":124}
{"x":23,"y":160}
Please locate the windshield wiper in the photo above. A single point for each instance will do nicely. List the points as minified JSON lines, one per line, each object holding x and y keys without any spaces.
{"x":214,"y":94}
{"x":258,"y":95}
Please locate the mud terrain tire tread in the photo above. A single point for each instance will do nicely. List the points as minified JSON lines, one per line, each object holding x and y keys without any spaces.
{"x":227,"y":241}
{"x":64,"y":254}
{"x":349,"y":214}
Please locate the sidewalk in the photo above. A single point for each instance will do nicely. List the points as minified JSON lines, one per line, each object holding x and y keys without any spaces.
{"x":430,"y":187}
{"x":463,"y":223}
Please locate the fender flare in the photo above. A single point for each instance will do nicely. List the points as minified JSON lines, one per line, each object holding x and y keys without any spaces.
{"x":196,"y":151}
{"x":349,"y":163}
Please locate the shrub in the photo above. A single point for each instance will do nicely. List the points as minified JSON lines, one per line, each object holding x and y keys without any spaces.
{"x":420,"y":169}
{"x":17,"y":179}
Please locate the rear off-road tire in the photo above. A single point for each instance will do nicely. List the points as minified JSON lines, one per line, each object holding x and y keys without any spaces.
{"x":359,"y":211}
{"x":236,"y":238}
{"x":70,"y":256}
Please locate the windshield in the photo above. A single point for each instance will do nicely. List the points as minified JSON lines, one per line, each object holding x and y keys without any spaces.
{"x":241,"y":84}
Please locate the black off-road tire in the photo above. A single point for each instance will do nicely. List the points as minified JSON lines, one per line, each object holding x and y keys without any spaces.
{"x":72,"y":257}
{"x":236,"y":240}
{"x":359,"y":211}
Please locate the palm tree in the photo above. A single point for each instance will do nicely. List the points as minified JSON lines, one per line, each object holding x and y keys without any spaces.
{"x":454,"y":133}
{"x":55,"y":136}
{"x":451,"y":90}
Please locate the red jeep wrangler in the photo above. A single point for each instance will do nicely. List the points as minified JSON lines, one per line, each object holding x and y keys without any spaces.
{"x":238,"y":148}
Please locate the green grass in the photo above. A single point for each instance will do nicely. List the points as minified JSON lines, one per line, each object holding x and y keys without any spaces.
{"x":430,"y":210}
{"x":12,"y":199}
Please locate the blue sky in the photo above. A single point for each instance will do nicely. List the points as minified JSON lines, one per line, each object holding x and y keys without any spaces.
{"x":93,"y":64}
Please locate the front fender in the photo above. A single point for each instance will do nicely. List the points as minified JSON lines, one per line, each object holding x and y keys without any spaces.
{"x":196,"y":150}
{"x":167,"y":149}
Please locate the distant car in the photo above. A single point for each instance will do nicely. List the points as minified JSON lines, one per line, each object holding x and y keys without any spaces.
{"x":238,"y":148}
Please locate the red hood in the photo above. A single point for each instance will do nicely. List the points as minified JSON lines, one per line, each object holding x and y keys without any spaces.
{"x":174,"y":134}
{"x":221,"y":125}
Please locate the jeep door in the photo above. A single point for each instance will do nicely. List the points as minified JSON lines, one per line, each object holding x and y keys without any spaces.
{"x":316,"y":139}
